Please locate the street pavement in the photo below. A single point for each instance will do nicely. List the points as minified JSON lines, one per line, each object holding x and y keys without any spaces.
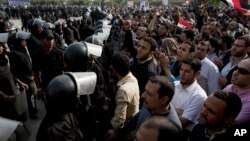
{"x":33,"y":124}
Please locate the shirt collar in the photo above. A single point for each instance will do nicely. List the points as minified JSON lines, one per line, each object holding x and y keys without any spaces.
{"x":236,"y":90}
{"x":124,"y":79}
{"x":214,"y":134}
{"x":146,"y":60}
{"x":203,"y":60}
{"x":162,"y":113}
{"x":191,"y":87}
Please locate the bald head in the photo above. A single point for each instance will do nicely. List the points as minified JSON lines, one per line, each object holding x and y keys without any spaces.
{"x":233,"y":25}
{"x":241,"y":74}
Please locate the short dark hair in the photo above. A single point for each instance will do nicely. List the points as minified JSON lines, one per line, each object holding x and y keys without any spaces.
{"x":167,"y":87}
{"x":166,"y":25}
{"x":46,"y":33}
{"x":191,"y":44}
{"x":214,"y":43}
{"x":189,"y":33}
{"x":233,"y":101}
{"x":195,"y":63}
{"x":147,"y":30}
{"x":206,"y":35}
{"x":178,"y":38}
{"x":246,"y":38}
{"x":152,"y":43}
{"x":228,"y":40}
{"x":206,"y":43}
{"x":167,"y":129}
{"x":121,"y":64}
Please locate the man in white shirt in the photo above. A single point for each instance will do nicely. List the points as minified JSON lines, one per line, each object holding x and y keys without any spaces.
{"x":189,"y":96}
{"x":209,"y":77}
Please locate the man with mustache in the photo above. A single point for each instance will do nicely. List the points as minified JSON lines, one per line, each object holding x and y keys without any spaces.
{"x":217,"y":118}
{"x":157,"y":96}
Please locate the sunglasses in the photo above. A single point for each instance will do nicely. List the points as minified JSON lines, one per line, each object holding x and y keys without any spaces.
{"x":241,"y":70}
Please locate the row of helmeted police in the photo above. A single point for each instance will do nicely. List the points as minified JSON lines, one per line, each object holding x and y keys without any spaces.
{"x":76,"y":101}
{"x":63,"y":11}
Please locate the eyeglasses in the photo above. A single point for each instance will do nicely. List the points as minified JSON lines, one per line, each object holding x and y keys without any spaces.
{"x":242,"y":70}
{"x":238,"y":46}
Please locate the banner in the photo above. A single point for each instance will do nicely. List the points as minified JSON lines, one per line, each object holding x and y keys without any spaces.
{"x":165,"y":2}
{"x":130,"y":4}
{"x":243,"y":6}
{"x":19,"y":2}
{"x":144,"y":5}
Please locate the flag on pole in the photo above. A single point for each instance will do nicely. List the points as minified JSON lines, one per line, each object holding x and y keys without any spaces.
{"x":243,"y":6}
{"x":184,"y":24}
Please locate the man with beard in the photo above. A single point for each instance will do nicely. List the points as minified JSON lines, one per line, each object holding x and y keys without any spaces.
{"x":189,"y":96}
{"x":217,"y":118}
{"x":144,"y":67}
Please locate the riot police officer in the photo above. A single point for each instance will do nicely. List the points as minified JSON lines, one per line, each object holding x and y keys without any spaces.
{"x":60,"y":122}
{"x":78,"y":59}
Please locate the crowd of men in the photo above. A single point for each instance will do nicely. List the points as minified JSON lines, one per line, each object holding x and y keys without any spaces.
{"x":156,"y":80}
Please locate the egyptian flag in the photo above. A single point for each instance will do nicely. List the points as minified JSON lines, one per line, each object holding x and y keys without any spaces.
{"x":184,"y":24}
{"x":243,"y":6}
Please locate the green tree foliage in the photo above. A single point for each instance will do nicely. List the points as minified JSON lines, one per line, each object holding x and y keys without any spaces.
{"x":213,"y":1}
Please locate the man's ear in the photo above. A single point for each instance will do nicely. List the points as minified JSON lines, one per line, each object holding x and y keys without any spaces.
{"x":164,"y":100}
{"x":248,"y":49}
{"x":197,"y":74}
{"x":229,"y":120}
{"x":192,"y":54}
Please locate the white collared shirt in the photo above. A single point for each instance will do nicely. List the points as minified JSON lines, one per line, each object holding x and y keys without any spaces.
{"x":209,"y":77}
{"x":190,"y":100}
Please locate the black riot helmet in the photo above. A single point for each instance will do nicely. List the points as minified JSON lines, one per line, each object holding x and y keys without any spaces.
{"x":62,"y":91}
{"x":76,"y":57}
{"x":49,"y":26}
{"x":99,"y":26}
{"x":35,"y":25}
{"x":99,"y":22}
{"x":16,"y":38}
